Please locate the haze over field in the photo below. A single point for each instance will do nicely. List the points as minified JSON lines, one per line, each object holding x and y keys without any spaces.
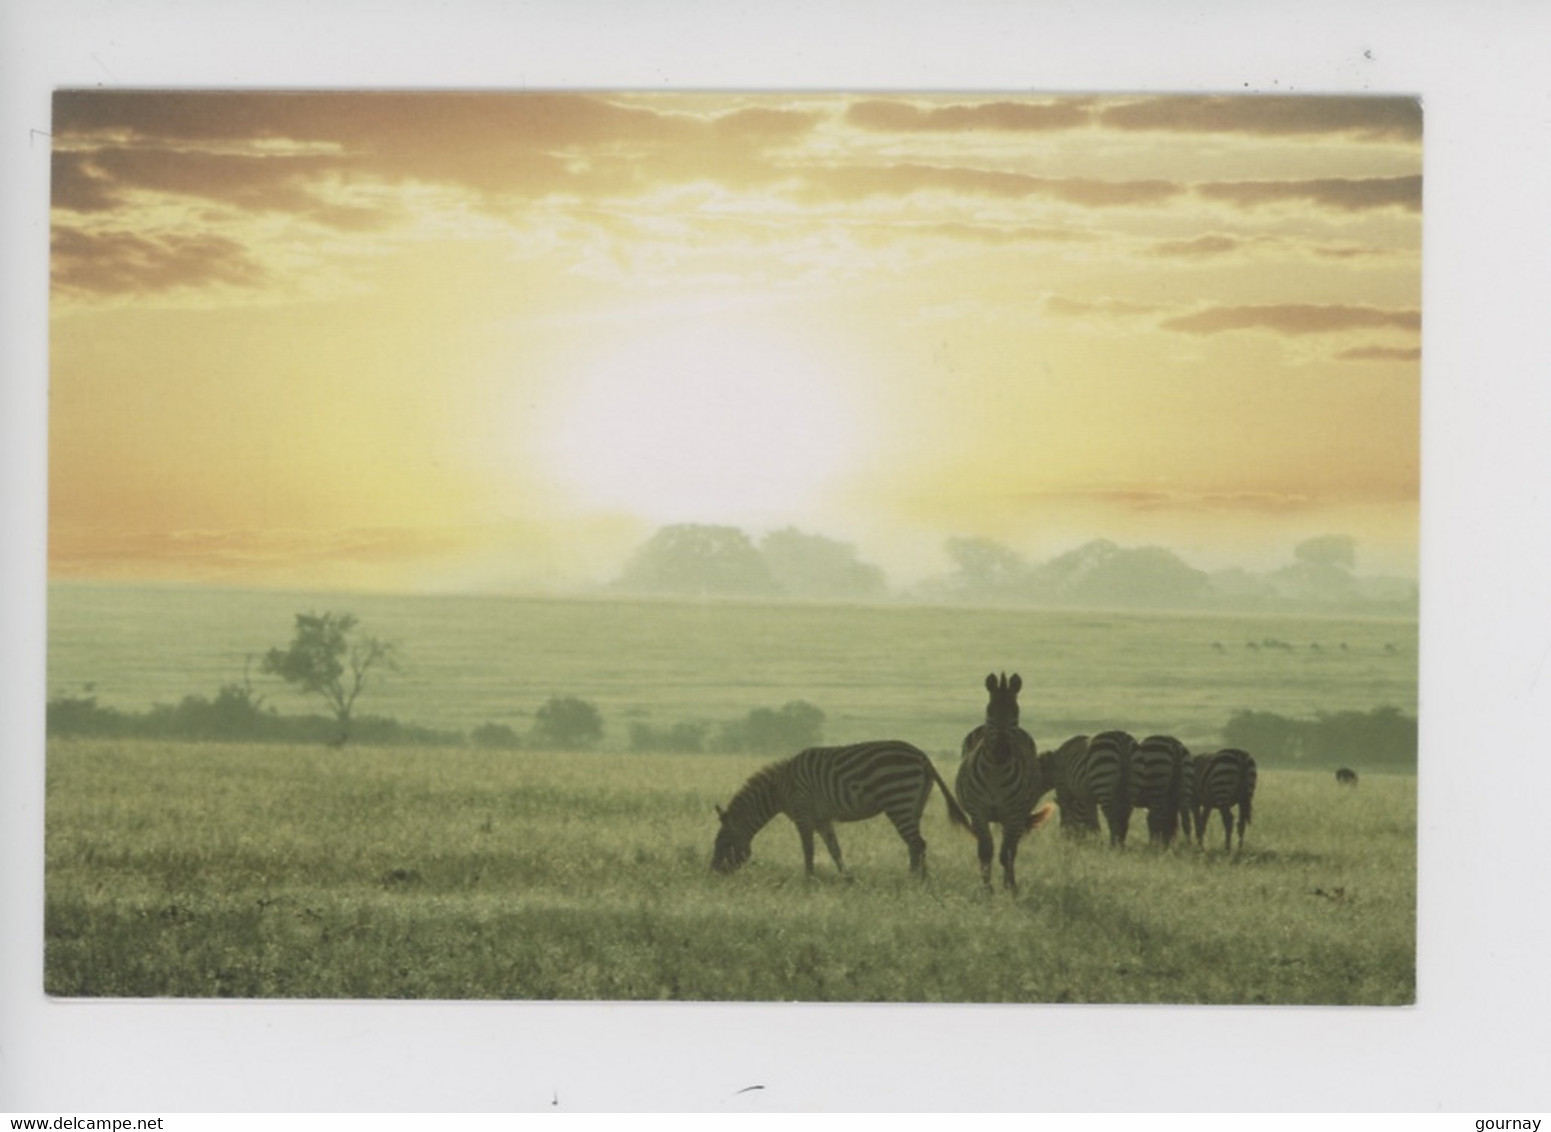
{"x":467,"y":341}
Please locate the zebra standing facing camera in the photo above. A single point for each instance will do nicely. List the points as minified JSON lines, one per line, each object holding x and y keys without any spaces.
{"x":1000,"y":779}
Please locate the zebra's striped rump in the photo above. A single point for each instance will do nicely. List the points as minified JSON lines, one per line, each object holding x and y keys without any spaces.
{"x":1079,"y":816}
{"x":1163,"y":783}
{"x":823,"y":785}
{"x":1094,"y":775}
{"x":1222,"y":781}
{"x":1000,"y":778}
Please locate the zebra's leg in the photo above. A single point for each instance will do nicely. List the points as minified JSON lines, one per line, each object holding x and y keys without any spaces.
{"x":1227,"y":828}
{"x":1243,"y":821}
{"x":985,"y":847}
{"x":1011,"y":833}
{"x":907,"y":823}
{"x":1119,"y":824}
{"x":832,"y":843}
{"x":805,"y":831}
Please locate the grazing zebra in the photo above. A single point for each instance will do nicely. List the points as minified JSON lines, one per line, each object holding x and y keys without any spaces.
{"x":1346,"y":776}
{"x":1079,"y":816}
{"x":1092,"y":775}
{"x":1000,"y":779}
{"x":1163,"y":783}
{"x":1222,"y":781}
{"x":822,"y":785}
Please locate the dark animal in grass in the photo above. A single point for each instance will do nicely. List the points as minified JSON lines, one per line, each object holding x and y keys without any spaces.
{"x":822,"y":785}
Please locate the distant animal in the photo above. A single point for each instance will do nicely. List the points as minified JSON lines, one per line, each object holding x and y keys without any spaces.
{"x":1000,"y":779}
{"x":1163,"y":783}
{"x":1093,"y":775}
{"x":1346,"y":776}
{"x":1223,"y":781}
{"x":822,"y":785}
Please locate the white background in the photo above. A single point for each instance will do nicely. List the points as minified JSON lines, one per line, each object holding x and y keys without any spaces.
{"x":1477,"y":1040}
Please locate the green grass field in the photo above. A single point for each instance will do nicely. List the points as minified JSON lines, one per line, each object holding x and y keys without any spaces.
{"x":205,"y":870}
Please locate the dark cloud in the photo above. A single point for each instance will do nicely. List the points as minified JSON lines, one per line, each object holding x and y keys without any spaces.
{"x":1339,"y":193}
{"x":278,"y":151}
{"x":1381,"y":354}
{"x":1215,"y":245}
{"x":121,"y":262}
{"x":909,"y":117}
{"x":362,"y":122}
{"x":862,"y":181}
{"x":77,"y":187}
{"x":987,"y":233}
{"x":1293,"y":319}
{"x":1375,"y":118}
{"x":432,"y":135}
{"x":1202,"y":247}
{"x":1349,"y":251}
{"x":763,"y":125}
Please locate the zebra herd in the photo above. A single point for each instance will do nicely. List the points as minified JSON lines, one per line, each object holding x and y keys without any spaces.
{"x":1001,"y":780}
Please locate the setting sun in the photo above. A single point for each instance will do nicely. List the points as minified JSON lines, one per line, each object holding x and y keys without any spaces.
{"x":703,"y":422}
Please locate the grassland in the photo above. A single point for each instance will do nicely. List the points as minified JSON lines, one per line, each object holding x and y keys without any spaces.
{"x":207,"y":871}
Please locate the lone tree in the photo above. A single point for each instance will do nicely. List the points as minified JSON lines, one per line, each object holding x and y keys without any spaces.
{"x":566,"y":723}
{"x":328,"y":658}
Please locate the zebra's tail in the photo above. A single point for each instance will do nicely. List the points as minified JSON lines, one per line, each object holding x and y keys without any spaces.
{"x":1040,"y":816}
{"x":956,"y":813}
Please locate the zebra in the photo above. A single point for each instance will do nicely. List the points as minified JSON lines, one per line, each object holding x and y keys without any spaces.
{"x":1000,"y":779}
{"x":1079,"y":817}
{"x":1092,"y":775}
{"x":1222,"y":781}
{"x":1163,"y":783}
{"x":822,"y":785}
{"x":1346,"y":776}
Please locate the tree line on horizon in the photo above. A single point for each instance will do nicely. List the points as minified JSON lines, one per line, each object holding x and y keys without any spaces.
{"x":707,"y":560}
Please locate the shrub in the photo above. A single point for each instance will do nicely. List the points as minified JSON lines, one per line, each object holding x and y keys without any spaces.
{"x":495,"y":736}
{"x":568,"y":724}
{"x":798,"y":724}
{"x":684,"y":737}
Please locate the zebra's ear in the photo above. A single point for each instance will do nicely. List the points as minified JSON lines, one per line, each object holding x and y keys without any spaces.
{"x":991,"y":682}
{"x":721,"y":814}
{"x":1016,"y":683}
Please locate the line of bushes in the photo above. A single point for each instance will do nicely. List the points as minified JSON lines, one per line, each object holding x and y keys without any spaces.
{"x":238,"y":715}
{"x":794,"y":726}
{"x":235,"y":715}
{"x":1383,"y":737}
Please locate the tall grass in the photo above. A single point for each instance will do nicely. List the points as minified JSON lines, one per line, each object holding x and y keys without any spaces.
{"x":205,"y":870}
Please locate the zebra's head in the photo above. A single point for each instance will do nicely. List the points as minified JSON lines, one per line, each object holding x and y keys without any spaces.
{"x":733,"y":849}
{"x":1002,"y":710}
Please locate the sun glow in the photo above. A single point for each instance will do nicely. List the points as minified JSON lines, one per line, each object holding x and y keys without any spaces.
{"x":704,"y":424}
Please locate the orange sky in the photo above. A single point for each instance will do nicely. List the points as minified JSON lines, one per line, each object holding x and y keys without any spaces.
{"x":489,"y":341}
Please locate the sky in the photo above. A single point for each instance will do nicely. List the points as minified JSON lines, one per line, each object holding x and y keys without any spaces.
{"x":491,"y":341}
